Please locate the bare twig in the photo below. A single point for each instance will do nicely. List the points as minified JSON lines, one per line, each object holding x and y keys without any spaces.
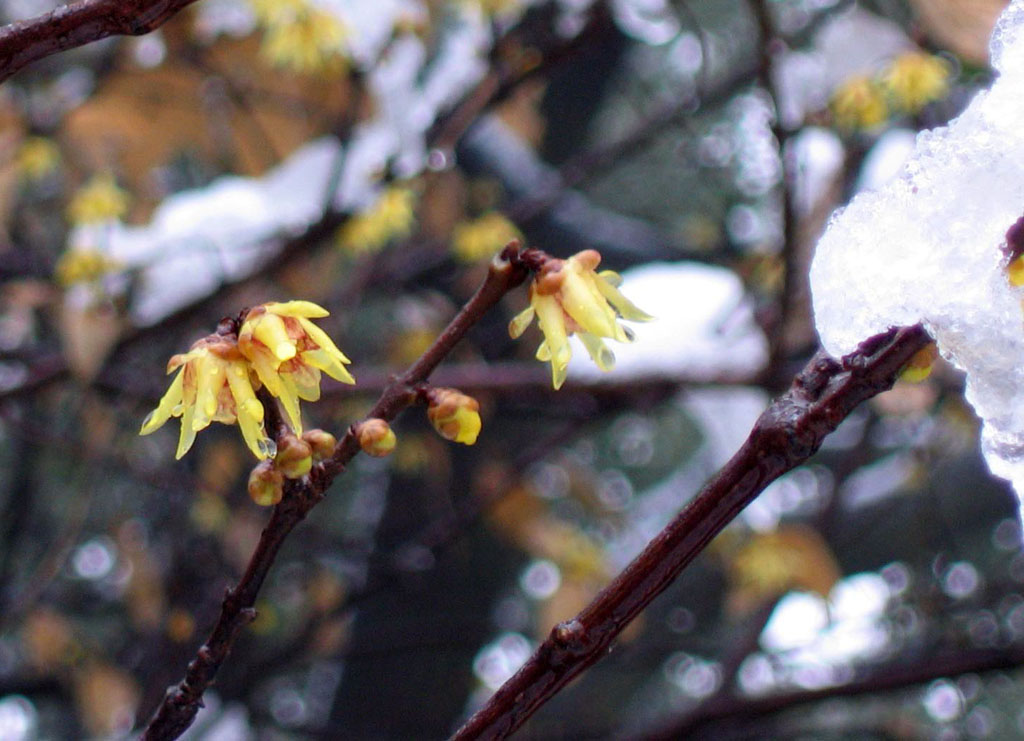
{"x":787,"y":434}
{"x":183,"y":701}
{"x":897,"y":673}
{"x":78,"y":24}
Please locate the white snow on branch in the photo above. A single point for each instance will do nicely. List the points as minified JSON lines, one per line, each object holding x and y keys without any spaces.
{"x":926,"y":248}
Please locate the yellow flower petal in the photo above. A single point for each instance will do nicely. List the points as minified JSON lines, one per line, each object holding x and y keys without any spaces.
{"x":249,"y":410}
{"x":165,"y":410}
{"x":330,"y":365}
{"x":298,"y":309}
{"x":188,"y":434}
{"x":623,"y":305}
{"x":307,"y":382}
{"x":271,"y":331}
{"x":324,"y":342}
{"x":209,"y":380}
{"x":599,"y":352}
{"x":552,"y":323}
{"x":290,"y":401}
{"x":520,"y":322}
{"x":584,"y":303}
{"x":266,"y":371}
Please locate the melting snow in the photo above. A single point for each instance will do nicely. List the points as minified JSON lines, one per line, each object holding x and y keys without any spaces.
{"x":926,"y":248}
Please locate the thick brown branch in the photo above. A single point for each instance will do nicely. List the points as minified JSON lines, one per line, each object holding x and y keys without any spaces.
{"x":182,"y":701}
{"x":787,"y":434}
{"x":78,"y":24}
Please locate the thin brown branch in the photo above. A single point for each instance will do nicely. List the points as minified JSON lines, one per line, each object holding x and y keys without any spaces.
{"x":787,"y":434}
{"x":183,"y":701}
{"x":78,"y":24}
{"x":898,"y":673}
{"x":788,"y":328}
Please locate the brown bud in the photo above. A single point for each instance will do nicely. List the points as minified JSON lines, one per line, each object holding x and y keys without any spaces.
{"x":376,"y":437}
{"x":919,"y":367}
{"x":294,"y":457}
{"x":266,"y":484}
{"x":454,"y":415}
{"x":321,"y":443}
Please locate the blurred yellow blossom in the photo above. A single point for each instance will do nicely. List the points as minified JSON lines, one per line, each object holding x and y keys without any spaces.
{"x":83,"y":265}
{"x":480,"y":238}
{"x":568,"y":296}
{"x":859,"y":103}
{"x":213,"y":385}
{"x":496,"y":7}
{"x":390,"y":217}
{"x":37,"y":157}
{"x":288,"y":351}
{"x":915,"y":79}
{"x":98,"y":200}
{"x":301,"y":37}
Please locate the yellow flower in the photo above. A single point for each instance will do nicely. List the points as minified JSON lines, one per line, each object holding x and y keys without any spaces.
{"x":276,"y":11}
{"x":482,"y":237}
{"x":916,"y":79}
{"x":568,"y":296}
{"x":858,"y":104}
{"x":454,"y":415}
{"x":288,"y":351}
{"x":100,"y":199}
{"x":301,"y":37}
{"x":391,"y":217}
{"x":37,"y":157}
{"x":83,"y":265}
{"x":213,"y":385}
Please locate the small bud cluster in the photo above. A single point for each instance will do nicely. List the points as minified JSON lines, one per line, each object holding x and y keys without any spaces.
{"x":295,"y":458}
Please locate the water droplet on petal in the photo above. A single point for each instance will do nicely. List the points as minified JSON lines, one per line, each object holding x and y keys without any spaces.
{"x":177,"y":410}
{"x":630,"y":334}
{"x":607,"y":359}
{"x":149,"y":418}
{"x":267,"y":447}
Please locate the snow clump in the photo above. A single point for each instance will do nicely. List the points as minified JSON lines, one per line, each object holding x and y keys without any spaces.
{"x":926,"y":248}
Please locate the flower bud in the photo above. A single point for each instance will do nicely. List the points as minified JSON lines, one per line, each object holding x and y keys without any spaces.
{"x":294,"y":457}
{"x":321,"y":443}
{"x":266,"y":484}
{"x":1015,"y":271}
{"x":454,"y":415}
{"x":376,"y":437}
{"x":919,"y":367}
